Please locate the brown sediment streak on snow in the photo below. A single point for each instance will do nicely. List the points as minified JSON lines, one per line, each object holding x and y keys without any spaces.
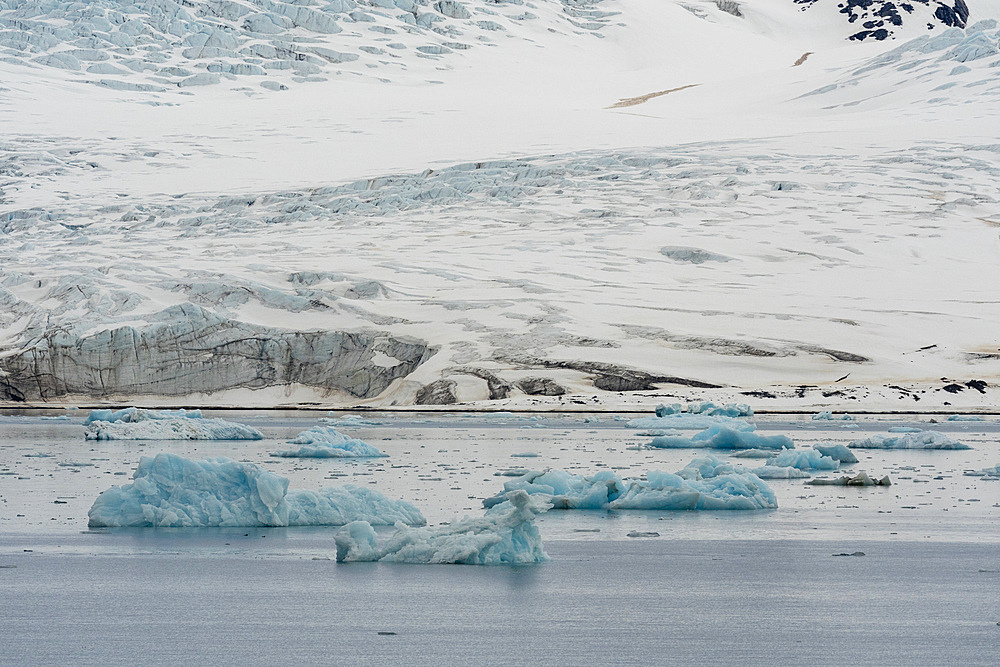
{"x":802,"y":58}
{"x":633,"y":101}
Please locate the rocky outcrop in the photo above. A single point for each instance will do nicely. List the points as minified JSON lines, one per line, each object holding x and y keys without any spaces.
{"x":541,"y":386}
{"x":439,"y":392}
{"x":186,"y":349}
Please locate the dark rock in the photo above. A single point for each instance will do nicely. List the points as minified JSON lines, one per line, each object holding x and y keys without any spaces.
{"x":439,"y":392}
{"x":541,"y":386}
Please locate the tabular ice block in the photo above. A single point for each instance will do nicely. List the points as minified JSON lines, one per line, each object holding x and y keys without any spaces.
{"x":721,"y":436}
{"x":704,"y":484}
{"x":505,"y":535}
{"x":327,"y":442}
{"x":921,"y":440}
{"x":172,"y":491}
{"x":140,"y":424}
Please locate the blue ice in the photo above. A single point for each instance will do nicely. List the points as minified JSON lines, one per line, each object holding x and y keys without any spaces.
{"x":836,"y":452}
{"x":140,"y":424}
{"x":804,"y":459}
{"x":327,"y":442}
{"x":921,"y":440}
{"x":723,"y":437}
{"x":826,"y":415}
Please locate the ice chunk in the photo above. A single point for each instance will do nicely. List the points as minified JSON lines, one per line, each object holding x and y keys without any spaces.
{"x":664,"y":410}
{"x":686,"y":420}
{"x":836,"y":452}
{"x":172,"y":491}
{"x":779,"y":472}
{"x":820,"y":416}
{"x":985,"y":472}
{"x":140,"y":424}
{"x":861,"y":479}
{"x":704,"y":484}
{"x":904,"y":429}
{"x":713,"y":410}
{"x":505,"y":535}
{"x":919,"y":440}
{"x":327,"y":442}
{"x":964,"y":418}
{"x":807,"y":459}
{"x":723,"y":437}
{"x":755,"y":454}
{"x":525,"y":455}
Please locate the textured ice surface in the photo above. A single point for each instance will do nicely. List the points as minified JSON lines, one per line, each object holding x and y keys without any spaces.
{"x":804,"y":459}
{"x":921,"y":440}
{"x":505,"y":535}
{"x":779,"y":472}
{"x":713,"y":410}
{"x":836,"y":452}
{"x":140,"y":424}
{"x":755,"y":454}
{"x":172,"y":491}
{"x":704,"y":484}
{"x":327,"y":442}
{"x":829,"y":415}
{"x":964,"y":418}
{"x":687,"y":420}
{"x":723,"y":437}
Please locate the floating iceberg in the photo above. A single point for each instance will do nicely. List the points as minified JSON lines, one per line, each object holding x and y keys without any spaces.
{"x":861,"y":479}
{"x":505,"y":535}
{"x":704,"y":484}
{"x":964,"y":418}
{"x":324,"y":442}
{"x":779,"y":472}
{"x":755,"y":454}
{"x":686,"y":420}
{"x":904,"y":429}
{"x":723,"y":437}
{"x":713,"y":410}
{"x":919,"y":440}
{"x":672,"y":409}
{"x":172,"y":491}
{"x":820,"y":416}
{"x":985,"y":472}
{"x":836,"y":452}
{"x":804,"y":459}
{"x":140,"y":424}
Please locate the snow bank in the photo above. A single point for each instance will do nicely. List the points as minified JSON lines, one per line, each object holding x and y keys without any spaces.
{"x":807,"y":459}
{"x":328,"y":442}
{"x":723,"y":437}
{"x":140,"y":424}
{"x":820,"y":416}
{"x":704,"y":484}
{"x":505,"y":535}
{"x":836,"y":452}
{"x":172,"y":491}
{"x":919,"y":440}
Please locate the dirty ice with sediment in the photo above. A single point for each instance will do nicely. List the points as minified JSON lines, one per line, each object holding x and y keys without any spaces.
{"x":398,"y":202}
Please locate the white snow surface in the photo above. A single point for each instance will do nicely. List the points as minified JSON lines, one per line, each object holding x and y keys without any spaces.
{"x":172,"y":491}
{"x":724,"y":202}
{"x":505,"y":535}
{"x":327,"y":442}
{"x":140,"y":424}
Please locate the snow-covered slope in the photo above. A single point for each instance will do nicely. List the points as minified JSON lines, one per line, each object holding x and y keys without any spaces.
{"x":591,"y":197}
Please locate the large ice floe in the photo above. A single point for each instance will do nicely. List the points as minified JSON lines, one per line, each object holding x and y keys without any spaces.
{"x":505,"y":535}
{"x":140,"y":424}
{"x":325,"y":442}
{"x":172,"y":491}
{"x":704,"y":484}
{"x":920,"y":440}
{"x":719,"y":436}
{"x":836,"y":452}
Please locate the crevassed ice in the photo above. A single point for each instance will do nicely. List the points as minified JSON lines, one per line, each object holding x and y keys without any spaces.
{"x":173,"y":491}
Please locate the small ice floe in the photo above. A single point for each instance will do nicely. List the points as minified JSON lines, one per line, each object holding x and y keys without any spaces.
{"x":964,"y":418}
{"x":779,"y":472}
{"x":172,"y":491}
{"x":755,"y":454}
{"x":347,"y":420}
{"x":704,"y":484}
{"x":713,"y":410}
{"x":525,"y":455}
{"x":140,"y":424}
{"x":919,"y":440}
{"x":505,"y":535}
{"x":836,"y":452}
{"x":324,"y":442}
{"x":991,"y":473}
{"x":826,"y":415}
{"x":804,"y":459}
{"x":905,"y":429}
{"x":722,"y":437}
{"x":861,"y":479}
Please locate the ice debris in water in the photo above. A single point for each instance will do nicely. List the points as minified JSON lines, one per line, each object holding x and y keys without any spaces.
{"x":805,"y":459}
{"x":755,"y":454}
{"x":704,"y":484}
{"x":904,"y":429}
{"x":713,"y":410}
{"x":985,"y":472}
{"x":140,"y":424}
{"x":324,"y":442}
{"x":172,"y":491}
{"x":505,"y":535}
{"x":826,"y":415}
{"x":861,"y":479}
{"x":836,"y":452}
{"x":779,"y":472}
{"x":688,"y":420}
{"x":964,"y":418}
{"x":919,"y":440}
{"x":525,"y":455}
{"x":723,"y":437}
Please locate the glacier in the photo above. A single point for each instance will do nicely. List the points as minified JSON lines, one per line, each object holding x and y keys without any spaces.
{"x":505,"y":535}
{"x":723,"y":437}
{"x":327,"y":442}
{"x":172,"y":491}
{"x":921,"y":440}
{"x":140,"y":424}
{"x":704,"y":484}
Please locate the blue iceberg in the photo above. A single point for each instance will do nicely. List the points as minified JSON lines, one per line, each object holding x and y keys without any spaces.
{"x":919,"y":440}
{"x":804,"y":459}
{"x":820,"y":416}
{"x":713,"y":410}
{"x":505,"y":535}
{"x":964,"y":418}
{"x":779,"y":472}
{"x":140,"y":424}
{"x":836,"y":452}
{"x":324,"y":442}
{"x":723,"y":437}
{"x":172,"y":491}
{"x":991,"y":473}
{"x":566,"y":491}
